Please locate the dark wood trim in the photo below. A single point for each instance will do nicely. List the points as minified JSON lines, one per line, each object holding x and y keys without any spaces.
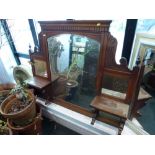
{"x":22,"y":55}
{"x":84,"y":111}
{"x":33,"y":31}
{"x":70,"y":49}
{"x":120,"y":73}
{"x":96,"y":26}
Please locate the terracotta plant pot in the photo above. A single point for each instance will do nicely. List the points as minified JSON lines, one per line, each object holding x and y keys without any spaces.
{"x":25,"y":116}
{"x":34,"y":128}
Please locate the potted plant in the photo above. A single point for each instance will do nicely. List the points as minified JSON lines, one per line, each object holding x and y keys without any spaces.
{"x":33,"y":128}
{"x":23,"y":116}
{"x":4,"y":93}
{"x":19,"y":106}
{"x":4,"y":130}
{"x":5,"y":90}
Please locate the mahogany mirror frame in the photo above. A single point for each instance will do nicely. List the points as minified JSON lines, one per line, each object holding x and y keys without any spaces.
{"x":94,"y":29}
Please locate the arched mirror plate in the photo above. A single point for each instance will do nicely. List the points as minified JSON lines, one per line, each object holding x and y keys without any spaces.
{"x":73,"y":64}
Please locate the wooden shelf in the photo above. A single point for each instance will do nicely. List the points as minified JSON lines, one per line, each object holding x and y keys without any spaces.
{"x":110,"y":106}
{"x":38,"y":83}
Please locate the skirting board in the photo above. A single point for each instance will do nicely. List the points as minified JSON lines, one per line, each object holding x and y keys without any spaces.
{"x":75,"y":121}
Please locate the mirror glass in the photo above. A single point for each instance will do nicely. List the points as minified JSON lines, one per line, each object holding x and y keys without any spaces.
{"x":40,"y":68}
{"x":114,"y":86}
{"x":73,"y":63}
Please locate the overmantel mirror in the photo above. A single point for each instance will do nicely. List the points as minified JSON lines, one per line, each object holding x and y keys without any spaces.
{"x":73,"y":63}
{"x":70,"y":56}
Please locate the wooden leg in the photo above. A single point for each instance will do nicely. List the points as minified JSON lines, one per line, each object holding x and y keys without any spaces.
{"x":137,"y":114}
{"x":122,"y":122}
{"x":120,"y":129}
{"x":47,"y":102}
{"x":96,"y":112}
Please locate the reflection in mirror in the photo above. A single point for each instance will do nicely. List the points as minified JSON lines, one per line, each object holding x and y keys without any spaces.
{"x":40,"y":68}
{"x":114,"y":86}
{"x":73,"y":63}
